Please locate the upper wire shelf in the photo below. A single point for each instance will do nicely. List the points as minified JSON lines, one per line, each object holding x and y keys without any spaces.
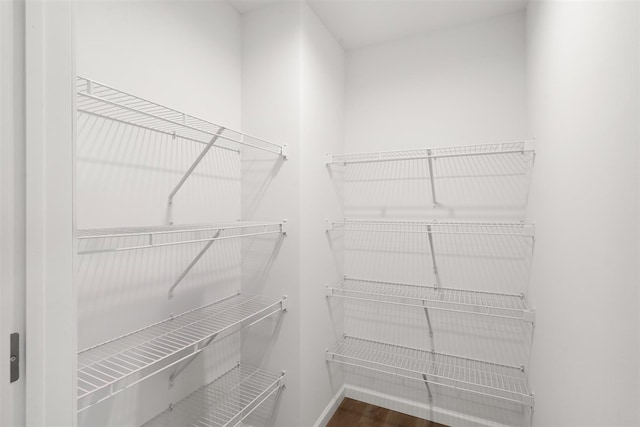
{"x":475,"y":376}
{"x":433,"y":227}
{"x":100,"y":100}
{"x":225,"y":402}
{"x":112,"y":366}
{"x":519,"y":147}
{"x":93,"y":241}
{"x":502,"y":305}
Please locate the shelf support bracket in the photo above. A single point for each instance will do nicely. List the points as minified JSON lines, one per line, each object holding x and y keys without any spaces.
{"x":426,"y":313}
{"x":433,"y":185}
{"x":195,"y":164}
{"x":193,"y":263}
{"x":426,"y":383}
{"x":188,"y":362}
{"x":433,"y":257}
{"x":433,"y":353}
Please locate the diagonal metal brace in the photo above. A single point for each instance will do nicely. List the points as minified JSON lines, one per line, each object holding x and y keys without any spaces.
{"x":193,"y":263}
{"x":195,"y":164}
{"x":426,"y":382}
{"x":426,"y":313}
{"x":433,"y":352}
{"x":188,"y":362}
{"x":433,"y":256}
{"x":433,"y":185}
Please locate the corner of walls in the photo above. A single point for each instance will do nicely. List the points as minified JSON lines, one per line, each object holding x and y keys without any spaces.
{"x":322,"y":132}
{"x":271,"y":191}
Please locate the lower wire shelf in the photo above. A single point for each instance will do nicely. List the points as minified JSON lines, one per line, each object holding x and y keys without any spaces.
{"x":112,"y":366}
{"x":502,"y":305}
{"x":459,"y":373}
{"x":226,"y":401}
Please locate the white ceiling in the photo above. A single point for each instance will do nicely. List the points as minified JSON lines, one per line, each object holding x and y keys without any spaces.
{"x":359,"y":23}
{"x":244,"y":6}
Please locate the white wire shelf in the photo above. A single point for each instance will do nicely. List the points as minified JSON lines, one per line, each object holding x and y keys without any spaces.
{"x":505,"y":148}
{"x":104,"y":101}
{"x":129,"y":238}
{"x":509,"y":306}
{"x":110,"y":367}
{"x":432,"y":227}
{"x":469,"y":375}
{"x":225,"y":402}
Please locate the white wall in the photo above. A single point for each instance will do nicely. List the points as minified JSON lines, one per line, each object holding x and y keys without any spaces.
{"x":458,"y":86}
{"x":582,"y":69}
{"x":322,"y":131}
{"x":186,"y":55}
{"x":271,"y":191}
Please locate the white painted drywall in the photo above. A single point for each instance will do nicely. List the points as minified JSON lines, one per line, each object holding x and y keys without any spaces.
{"x":183,"y":54}
{"x":322,"y":131}
{"x":582,"y":71}
{"x":458,"y":86}
{"x":186,"y":55}
{"x":271,"y":191}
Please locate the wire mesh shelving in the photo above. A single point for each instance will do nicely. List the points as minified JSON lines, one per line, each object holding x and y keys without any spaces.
{"x":504,"y":148}
{"x":432,"y":227}
{"x":225,"y":402}
{"x":129,"y":238}
{"x":112,"y":366}
{"x":473,"y":181}
{"x":100,"y":100}
{"x":474,"y":376}
{"x":501,"y":305}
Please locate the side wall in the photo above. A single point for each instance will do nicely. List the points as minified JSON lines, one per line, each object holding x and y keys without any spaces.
{"x":582,"y":69}
{"x":185,"y":55}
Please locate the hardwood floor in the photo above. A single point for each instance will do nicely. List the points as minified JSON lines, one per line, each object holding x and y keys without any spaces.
{"x":353,"y":413}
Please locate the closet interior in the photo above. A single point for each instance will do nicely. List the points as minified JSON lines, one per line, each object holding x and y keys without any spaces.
{"x":278,"y":205}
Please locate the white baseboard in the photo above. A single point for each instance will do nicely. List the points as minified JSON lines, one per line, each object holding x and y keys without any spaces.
{"x":331,"y":408}
{"x":413,"y":408}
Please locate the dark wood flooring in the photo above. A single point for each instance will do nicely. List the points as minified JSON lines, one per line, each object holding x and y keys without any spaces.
{"x":353,"y":413}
